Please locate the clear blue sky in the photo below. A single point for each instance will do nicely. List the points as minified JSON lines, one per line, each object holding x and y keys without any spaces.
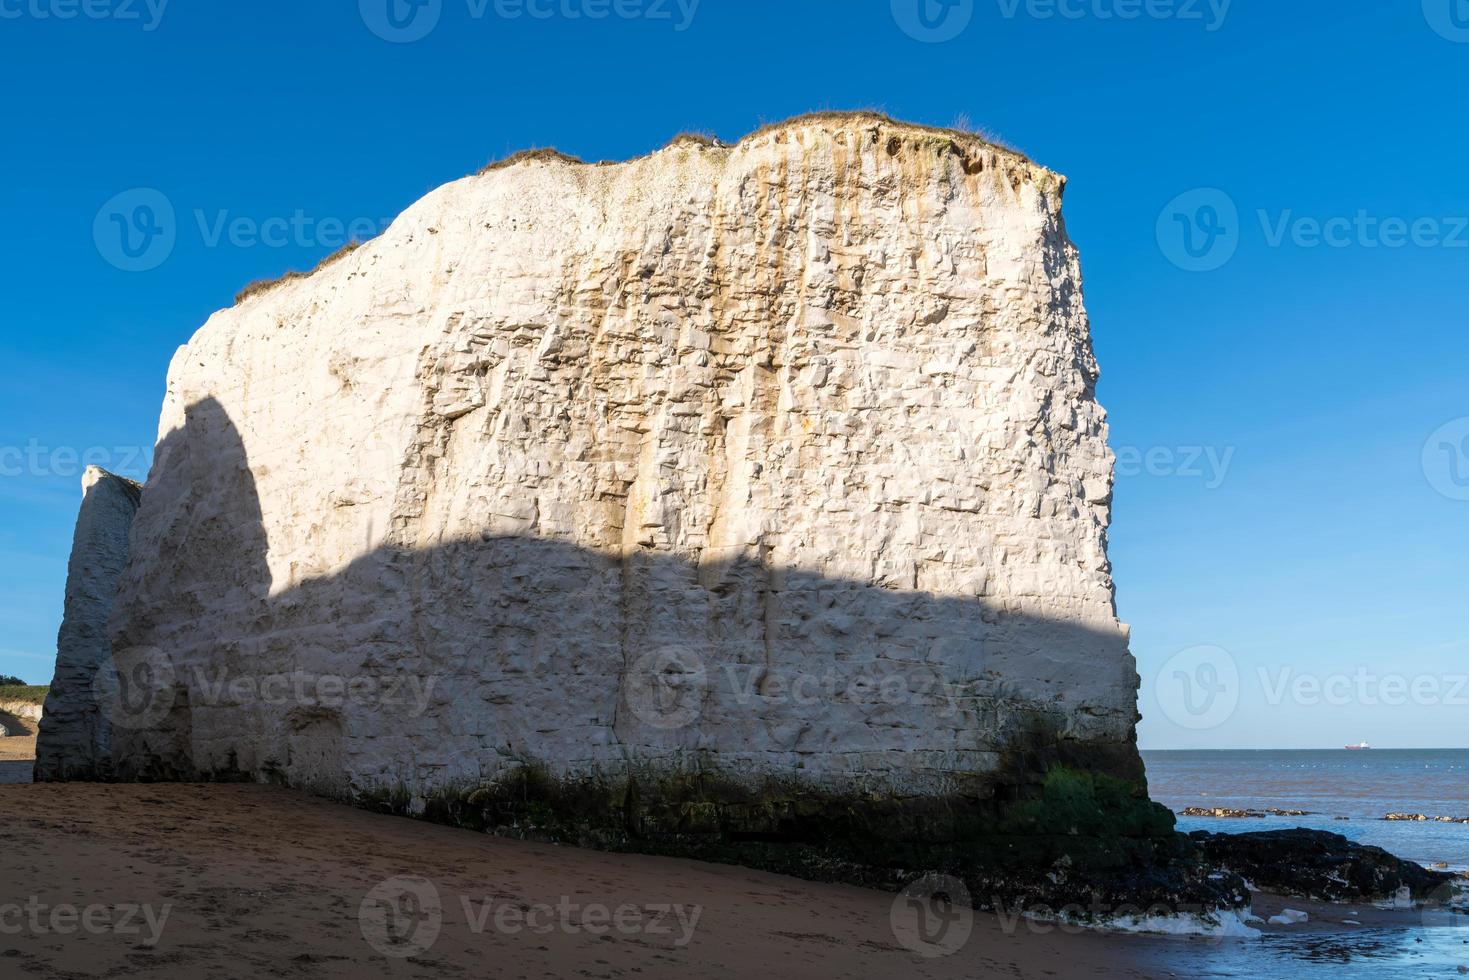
{"x":1319,"y":372}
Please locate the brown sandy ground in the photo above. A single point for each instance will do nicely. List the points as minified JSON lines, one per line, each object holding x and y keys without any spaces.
{"x":259,"y":881}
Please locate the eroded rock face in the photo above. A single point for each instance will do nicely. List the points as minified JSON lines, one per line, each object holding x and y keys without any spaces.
{"x":75,"y":734}
{"x":779,"y":460}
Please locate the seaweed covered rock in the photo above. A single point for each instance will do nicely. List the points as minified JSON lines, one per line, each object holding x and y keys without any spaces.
{"x":1085,"y":842}
{"x":1323,"y":866}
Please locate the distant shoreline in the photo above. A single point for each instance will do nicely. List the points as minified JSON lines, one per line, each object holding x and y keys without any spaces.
{"x":1340,"y":749}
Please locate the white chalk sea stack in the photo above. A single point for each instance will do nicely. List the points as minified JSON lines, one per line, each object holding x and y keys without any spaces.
{"x":779,"y":460}
{"x":75,"y":733}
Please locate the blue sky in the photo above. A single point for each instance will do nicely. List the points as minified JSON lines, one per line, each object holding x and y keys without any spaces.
{"x":1269,"y":200}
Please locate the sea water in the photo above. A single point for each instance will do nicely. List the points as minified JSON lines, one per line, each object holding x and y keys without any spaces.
{"x":1348,"y":793}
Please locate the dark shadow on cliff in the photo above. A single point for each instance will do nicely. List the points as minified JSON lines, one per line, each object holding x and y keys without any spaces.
{"x":527,"y":686}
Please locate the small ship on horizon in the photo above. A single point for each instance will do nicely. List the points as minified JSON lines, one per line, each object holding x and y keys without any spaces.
{"x":1362,"y":747}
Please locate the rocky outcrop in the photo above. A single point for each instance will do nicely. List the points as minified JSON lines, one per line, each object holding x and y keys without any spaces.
{"x":1322,"y":866}
{"x":24,"y":710}
{"x":75,"y":732}
{"x":732,"y":494}
{"x":1233,"y":813}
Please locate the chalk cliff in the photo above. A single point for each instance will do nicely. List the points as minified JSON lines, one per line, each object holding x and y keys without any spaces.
{"x":728,"y":482}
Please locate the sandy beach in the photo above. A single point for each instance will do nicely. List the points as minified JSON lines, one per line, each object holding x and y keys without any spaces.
{"x":191,"y":881}
{"x":255,"y":880}
{"x":188,"y":881}
{"x":18,"y":750}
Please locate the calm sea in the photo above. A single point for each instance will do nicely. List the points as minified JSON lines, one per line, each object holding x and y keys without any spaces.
{"x":1359,"y":787}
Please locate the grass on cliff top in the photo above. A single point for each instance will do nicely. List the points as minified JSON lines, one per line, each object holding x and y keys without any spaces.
{"x":265,"y":285}
{"x":962,"y":127}
{"x":24,"y":693}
